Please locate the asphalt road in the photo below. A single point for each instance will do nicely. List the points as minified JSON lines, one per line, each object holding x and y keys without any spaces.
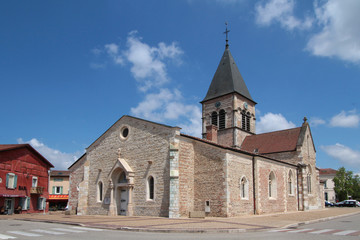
{"x":341,"y":228}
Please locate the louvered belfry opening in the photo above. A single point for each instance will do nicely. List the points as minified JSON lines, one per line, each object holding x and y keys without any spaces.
{"x":222,"y":119}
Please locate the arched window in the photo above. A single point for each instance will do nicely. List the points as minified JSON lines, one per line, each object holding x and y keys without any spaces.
{"x":244,"y":188}
{"x":100,"y":191}
{"x":222,"y":119}
{"x":272,"y":185}
{"x":308,"y":179}
{"x":214,"y":119}
{"x":150,"y":188}
{"x":122,"y":178}
{"x":290,"y":183}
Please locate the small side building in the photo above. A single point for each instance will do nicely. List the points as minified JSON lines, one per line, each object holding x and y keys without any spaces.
{"x":327,"y":175}
{"x":58,"y":189}
{"x":24,"y":179}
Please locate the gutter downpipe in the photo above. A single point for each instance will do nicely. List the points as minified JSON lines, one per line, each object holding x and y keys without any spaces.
{"x":253,"y":173}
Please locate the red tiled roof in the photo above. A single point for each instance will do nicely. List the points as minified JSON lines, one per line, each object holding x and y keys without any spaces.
{"x":6,"y":147}
{"x":272,"y":142}
{"x":325,"y":171}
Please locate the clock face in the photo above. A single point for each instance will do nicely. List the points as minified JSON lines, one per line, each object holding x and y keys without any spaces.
{"x":217,"y":104}
{"x":245,"y":105}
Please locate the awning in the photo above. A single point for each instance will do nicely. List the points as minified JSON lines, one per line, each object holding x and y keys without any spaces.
{"x":58,"y":197}
{"x":11,"y":195}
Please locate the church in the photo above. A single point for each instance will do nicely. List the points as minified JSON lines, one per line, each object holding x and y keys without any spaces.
{"x":143,"y":168}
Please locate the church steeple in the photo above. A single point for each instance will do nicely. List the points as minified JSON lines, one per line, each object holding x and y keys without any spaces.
{"x":228,"y":104}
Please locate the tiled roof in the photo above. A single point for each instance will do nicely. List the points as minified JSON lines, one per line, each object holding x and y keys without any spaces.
{"x":272,"y":142}
{"x":326,"y":171}
{"x":6,"y":147}
{"x":59,"y":173}
{"x":227,"y":79}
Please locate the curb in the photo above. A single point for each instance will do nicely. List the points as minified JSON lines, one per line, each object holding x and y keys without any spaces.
{"x":182,"y":230}
{"x":295,"y":225}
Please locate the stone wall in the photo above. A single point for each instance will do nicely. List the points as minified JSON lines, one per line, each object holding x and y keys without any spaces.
{"x":240,"y":166}
{"x":146,"y":150}
{"x":76,"y":177}
{"x":282,"y":201}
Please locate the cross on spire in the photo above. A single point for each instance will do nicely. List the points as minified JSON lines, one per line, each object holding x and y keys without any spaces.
{"x":226,"y":32}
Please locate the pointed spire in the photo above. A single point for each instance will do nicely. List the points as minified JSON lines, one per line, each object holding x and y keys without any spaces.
{"x":227,"y":39}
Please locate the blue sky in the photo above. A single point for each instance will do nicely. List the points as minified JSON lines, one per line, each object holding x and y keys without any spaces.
{"x":70,"y":69}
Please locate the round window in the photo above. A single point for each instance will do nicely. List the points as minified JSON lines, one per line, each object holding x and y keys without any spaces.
{"x":124,"y":132}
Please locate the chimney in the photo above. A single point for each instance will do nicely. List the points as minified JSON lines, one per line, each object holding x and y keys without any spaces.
{"x":211,"y":133}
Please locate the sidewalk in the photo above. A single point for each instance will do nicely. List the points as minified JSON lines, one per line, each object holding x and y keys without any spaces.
{"x":157,"y":224}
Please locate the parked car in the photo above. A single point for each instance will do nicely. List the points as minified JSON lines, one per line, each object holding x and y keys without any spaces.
{"x":348,"y":203}
{"x":329,"y":204}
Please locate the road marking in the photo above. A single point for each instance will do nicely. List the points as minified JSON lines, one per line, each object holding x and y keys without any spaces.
{"x":301,"y":230}
{"x":2,"y":236}
{"x":322,"y":231}
{"x":88,"y":229}
{"x":27,"y":234}
{"x":342,"y":233}
{"x":68,"y":230}
{"x":278,"y":230}
{"x":48,"y":232}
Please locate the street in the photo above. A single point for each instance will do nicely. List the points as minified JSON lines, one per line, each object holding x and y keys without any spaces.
{"x":341,"y":228}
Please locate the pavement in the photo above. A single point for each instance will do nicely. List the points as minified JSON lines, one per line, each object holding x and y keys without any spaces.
{"x":245,"y":223}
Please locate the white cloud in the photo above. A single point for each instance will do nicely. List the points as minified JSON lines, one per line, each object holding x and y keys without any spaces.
{"x":342,"y":153}
{"x":315,"y":121}
{"x":281,"y":11}
{"x":340,"y":33}
{"x":148,"y":64}
{"x":273,"y":122}
{"x":59,"y":159}
{"x":168,"y":106}
{"x":348,"y":119}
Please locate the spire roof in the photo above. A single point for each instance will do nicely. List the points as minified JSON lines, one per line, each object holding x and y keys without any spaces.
{"x":227,"y":79}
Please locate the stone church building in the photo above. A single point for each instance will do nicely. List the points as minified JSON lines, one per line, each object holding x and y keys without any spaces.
{"x":143,"y":168}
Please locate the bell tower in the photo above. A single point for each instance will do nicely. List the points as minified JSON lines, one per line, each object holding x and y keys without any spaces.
{"x":228,"y":110}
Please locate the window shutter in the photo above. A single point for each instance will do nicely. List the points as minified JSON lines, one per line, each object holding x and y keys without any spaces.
{"x":15,"y":181}
{"x":61,"y":190}
{"x":7,"y":180}
{"x":28,"y":203}
{"x":53,"y":190}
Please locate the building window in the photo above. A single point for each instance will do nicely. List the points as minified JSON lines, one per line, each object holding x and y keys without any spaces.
{"x":122,"y":178}
{"x":291,"y":183}
{"x":326,"y":196}
{"x":24,"y":203}
{"x":150,"y":188}
{"x":58,"y":179}
{"x":34,"y":182}
{"x":308,"y":180}
{"x":124,"y":133}
{"x":11,"y":180}
{"x":244,"y":188}
{"x":272,"y":185}
{"x":222,"y":119}
{"x":214,"y":119}
{"x":41,"y":203}
{"x":100,"y":192}
{"x":57,"y":190}
{"x":245,"y":121}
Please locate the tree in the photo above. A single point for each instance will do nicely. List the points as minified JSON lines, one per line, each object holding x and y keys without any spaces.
{"x":343,"y":184}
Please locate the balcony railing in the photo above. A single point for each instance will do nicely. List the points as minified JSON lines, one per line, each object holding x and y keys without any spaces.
{"x":37,"y":190}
